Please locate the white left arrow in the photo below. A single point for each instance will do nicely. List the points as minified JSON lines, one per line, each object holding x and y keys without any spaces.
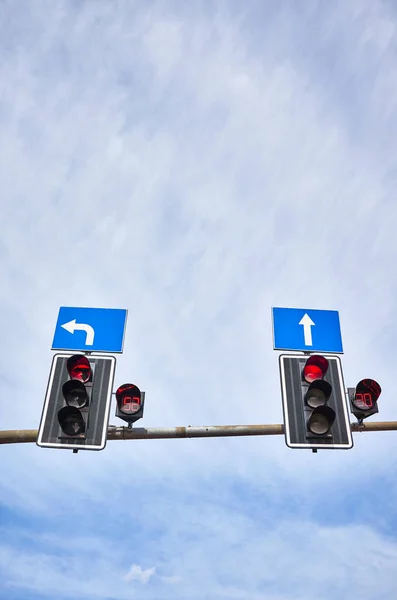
{"x":307,"y":329}
{"x":72,"y":326}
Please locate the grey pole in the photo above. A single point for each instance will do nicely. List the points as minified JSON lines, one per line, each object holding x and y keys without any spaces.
{"x":19,"y":436}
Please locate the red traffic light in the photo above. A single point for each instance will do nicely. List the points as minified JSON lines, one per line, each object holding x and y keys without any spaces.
{"x":129,"y":398}
{"x":79,"y":368}
{"x":367,"y":393}
{"x":315,"y":368}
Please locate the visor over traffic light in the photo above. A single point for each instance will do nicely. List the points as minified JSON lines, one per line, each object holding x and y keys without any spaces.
{"x":321,"y":420}
{"x":71,"y":421}
{"x":315,"y":368}
{"x":128,"y":398}
{"x":79,"y":368}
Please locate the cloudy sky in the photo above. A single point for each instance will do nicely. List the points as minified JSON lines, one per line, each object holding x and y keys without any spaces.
{"x":198,"y":162}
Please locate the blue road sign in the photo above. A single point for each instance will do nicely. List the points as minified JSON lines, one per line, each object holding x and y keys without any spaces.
{"x":90,"y":329}
{"x":307,"y":329}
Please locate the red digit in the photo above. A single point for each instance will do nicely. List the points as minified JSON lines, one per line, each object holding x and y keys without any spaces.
{"x":364,"y":400}
{"x":130,"y":404}
{"x":127,"y":403}
{"x":359,"y":400}
{"x":368,"y":400}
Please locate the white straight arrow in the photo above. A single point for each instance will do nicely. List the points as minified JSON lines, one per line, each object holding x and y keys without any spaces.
{"x":72,"y":326}
{"x":307,"y":329}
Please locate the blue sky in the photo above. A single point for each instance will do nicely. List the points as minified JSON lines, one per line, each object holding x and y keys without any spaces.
{"x":198,"y":163}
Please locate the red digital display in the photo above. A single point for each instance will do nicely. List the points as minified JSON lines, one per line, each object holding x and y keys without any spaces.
{"x":130,"y":404}
{"x":315,"y":368}
{"x":79,"y":368}
{"x":367,"y":393}
{"x":364,"y":400}
{"x":128,"y":398}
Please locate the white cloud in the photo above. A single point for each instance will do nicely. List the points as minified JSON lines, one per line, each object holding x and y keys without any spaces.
{"x":136,"y":573}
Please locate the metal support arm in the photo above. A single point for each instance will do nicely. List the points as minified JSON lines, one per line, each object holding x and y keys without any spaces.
{"x":20,"y":436}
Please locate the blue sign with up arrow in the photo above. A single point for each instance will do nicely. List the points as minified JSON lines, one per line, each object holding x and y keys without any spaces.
{"x":307,"y":329}
{"x":90,"y":329}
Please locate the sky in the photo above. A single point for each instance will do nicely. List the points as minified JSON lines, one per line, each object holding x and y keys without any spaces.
{"x":197,"y":163}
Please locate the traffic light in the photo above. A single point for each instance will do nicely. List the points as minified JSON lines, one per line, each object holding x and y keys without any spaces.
{"x":77,"y":403}
{"x":314,"y":402}
{"x":130,"y":403}
{"x":363,"y":398}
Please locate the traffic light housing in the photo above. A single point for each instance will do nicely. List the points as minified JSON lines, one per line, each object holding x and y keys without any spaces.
{"x":314,"y":402}
{"x":130,"y":403}
{"x":364,"y":398}
{"x":77,"y":403}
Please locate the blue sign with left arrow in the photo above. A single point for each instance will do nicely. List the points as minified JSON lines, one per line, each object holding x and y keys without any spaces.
{"x":307,"y":329}
{"x":90,"y":329}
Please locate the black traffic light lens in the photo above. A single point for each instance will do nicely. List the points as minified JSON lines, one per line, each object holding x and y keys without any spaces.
{"x":79,"y":368}
{"x":321,"y":420}
{"x":128,"y":398}
{"x":367,"y":394}
{"x":318,"y":393}
{"x":315,"y":368}
{"x":75,"y":393}
{"x":71,"y":420}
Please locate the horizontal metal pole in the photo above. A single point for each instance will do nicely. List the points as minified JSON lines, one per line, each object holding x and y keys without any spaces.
{"x":157,"y":433}
{"x":20,"y":436}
